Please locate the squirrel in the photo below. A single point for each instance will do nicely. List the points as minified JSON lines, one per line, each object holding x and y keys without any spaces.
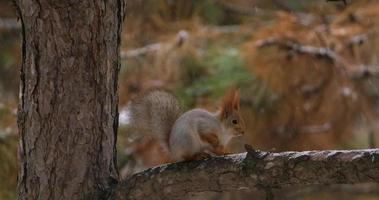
{"x":191,"y":135}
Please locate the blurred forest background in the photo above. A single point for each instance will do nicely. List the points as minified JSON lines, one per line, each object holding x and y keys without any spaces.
{"x":307,"y":72}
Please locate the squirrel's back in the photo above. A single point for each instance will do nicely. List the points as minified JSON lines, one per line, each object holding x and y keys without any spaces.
{"x":154,"y":112}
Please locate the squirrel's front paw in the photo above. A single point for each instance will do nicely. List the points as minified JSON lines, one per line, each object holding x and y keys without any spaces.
{"x":201,"y":156}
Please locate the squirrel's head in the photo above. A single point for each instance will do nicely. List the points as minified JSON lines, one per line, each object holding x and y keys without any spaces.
{"x":230,"y":113}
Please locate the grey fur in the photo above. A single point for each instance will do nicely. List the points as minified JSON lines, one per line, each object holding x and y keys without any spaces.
{"x":154,"y":112}
{"x":185,"y":135}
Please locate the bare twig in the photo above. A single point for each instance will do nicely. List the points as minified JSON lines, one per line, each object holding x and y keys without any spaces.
{"x":316,"y":128}
{"x":301,"y":49}
{"x":359,"y":72}
{"x":358,"y":39}
{"x":181,"y":38}
{"x":140,"y":51}
{"x":223,"y":29}
{"x":363,"y":71}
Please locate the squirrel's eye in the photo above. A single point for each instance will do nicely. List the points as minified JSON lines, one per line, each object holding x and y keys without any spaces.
{"x":234,"y":121}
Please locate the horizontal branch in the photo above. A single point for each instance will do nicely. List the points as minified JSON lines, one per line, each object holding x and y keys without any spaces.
{"x":299,"y":48}
{"x":140,"y":51}
{"x":252,"y":170}
{"x":356,"y":72}
{"x":181,"y":37}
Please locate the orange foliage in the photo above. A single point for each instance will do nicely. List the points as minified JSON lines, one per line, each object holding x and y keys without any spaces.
{"x":317,"y":100}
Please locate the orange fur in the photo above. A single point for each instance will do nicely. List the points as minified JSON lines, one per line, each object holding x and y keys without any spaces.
{"x":211,"y":139}
{"x":220,"y":150}
{"x":230,"y":103}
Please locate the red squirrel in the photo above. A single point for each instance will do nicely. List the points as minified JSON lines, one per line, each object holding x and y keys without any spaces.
{"x":191,"y":135}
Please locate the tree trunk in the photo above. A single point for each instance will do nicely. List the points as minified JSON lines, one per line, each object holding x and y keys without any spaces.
{"x":68,"y":114}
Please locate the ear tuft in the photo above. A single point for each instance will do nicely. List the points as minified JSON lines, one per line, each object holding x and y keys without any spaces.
{"x":236,"y":100}
{"x":230,"y":102}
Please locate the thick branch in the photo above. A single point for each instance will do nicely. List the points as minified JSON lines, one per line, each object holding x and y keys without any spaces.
{"x":250,"y":171}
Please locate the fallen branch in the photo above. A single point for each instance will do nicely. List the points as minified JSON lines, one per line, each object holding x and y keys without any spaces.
{"x":248,"y":171}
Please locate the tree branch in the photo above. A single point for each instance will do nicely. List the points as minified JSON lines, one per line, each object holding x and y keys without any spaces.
{"x":299,"y":48}
{"x":251,"y":170}
{"x":354,"y":73}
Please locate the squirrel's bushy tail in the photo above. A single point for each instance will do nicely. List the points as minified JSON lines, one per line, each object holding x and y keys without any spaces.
{"x":154,"y":113}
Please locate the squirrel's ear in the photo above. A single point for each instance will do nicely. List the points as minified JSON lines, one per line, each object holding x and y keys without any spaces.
{"x":236,"y":100}
{"x":225,"y":112}
{"x":227,"y":105}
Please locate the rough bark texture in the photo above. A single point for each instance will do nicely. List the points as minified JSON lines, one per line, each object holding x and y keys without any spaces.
{"x":252,"y":170}
{"x":68,"y":98}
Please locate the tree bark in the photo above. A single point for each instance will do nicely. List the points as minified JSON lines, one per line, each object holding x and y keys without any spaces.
{"x":248,"y":171}
{"x":67,"y":114}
